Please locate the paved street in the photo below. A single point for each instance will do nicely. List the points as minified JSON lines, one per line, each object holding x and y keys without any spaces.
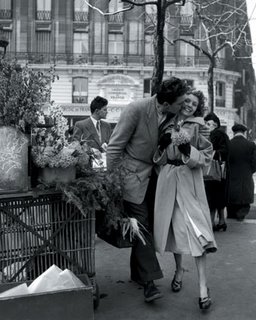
{"x":231,"y":279}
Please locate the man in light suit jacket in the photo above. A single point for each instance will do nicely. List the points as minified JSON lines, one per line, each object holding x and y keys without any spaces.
{"x":132,"y":145}
{"x":93,"y":130}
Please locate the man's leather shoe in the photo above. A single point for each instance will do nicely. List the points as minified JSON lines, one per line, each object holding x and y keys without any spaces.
{"x":151,"y":292}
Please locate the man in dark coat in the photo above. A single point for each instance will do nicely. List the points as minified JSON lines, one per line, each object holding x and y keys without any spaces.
{"x":242,"y":161}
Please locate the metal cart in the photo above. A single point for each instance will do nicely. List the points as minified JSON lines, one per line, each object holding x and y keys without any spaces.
{"x":38,"y":229}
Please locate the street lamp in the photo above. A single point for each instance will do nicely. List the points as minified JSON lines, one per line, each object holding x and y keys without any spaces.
{"x":3,"y":41}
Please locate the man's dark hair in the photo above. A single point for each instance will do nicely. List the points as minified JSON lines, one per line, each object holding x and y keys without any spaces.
{"x":98,"y":103}
{"x":171,"y":89}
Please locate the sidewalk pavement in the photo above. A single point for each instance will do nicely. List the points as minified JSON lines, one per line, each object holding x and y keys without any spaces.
{"x":231,"y":279}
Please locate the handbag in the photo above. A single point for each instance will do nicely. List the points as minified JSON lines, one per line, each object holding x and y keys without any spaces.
{"x":216,"y":170}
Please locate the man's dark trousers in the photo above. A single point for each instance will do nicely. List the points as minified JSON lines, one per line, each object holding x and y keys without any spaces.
{"x":143,"y":261}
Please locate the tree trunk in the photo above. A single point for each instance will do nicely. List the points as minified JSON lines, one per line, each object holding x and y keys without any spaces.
{"x":158,"y":69}
{"x":211,"y":85}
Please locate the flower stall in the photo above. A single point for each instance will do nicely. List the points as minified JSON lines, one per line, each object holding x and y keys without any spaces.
{"x":53,"y":219}
{"x":38,"y":226}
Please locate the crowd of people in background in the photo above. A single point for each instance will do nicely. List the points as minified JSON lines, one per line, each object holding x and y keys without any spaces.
{"x":164,"y":142}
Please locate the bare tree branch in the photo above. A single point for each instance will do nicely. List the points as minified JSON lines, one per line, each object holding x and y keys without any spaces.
{"x":178,"y":2}
{"x":141,"y":3}
{"x":108,"y":13}
{"x":197,"y":47}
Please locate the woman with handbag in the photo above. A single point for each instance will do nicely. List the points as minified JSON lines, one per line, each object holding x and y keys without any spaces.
{"x":182,"y":222}
{"x":217,"y":187}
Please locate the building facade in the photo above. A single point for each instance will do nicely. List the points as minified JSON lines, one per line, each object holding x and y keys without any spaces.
{"x":110,"y":55}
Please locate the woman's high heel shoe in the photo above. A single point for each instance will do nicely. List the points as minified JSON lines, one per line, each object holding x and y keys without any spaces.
{"x":205,"y":303}
{"x":177,"y":284}
{"x":220,"y":227}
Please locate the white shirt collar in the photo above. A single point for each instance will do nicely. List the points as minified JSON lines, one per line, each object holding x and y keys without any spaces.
{"x":94,"y":121}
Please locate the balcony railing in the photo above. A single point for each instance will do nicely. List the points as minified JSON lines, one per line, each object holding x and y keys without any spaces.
{"x":114,"y":60}
{"x":186,"y":20}
{"x":116,"y":18}
{"x":81,"y":16}
{"x":79,"y":99}
{"x":43,"y":15}
{"x":5,"y":14}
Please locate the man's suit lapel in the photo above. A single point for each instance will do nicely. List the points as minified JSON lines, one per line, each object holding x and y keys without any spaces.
{"x":94,"y":133}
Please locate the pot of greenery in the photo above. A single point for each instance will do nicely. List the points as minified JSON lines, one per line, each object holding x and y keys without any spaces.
{"x":23,"y":92}
{"x":99,"y":193}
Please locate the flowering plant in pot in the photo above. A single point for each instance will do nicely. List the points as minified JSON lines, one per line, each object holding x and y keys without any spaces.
{"x":52,"y":150}
{"x":23,"y":92}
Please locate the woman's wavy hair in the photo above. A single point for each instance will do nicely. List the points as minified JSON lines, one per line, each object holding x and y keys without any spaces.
{"x":201,"y":101}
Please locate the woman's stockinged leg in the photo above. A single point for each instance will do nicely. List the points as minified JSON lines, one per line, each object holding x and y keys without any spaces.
{"x":213,"y":212}
{"x":177,"y":279}
{"x":201,"y":270}
{"x":179,"y":269}
{"x":221,"y":216}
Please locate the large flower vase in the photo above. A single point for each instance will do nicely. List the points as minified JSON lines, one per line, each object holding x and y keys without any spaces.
{"x":13,"y":160}
{"x":57,"y":174}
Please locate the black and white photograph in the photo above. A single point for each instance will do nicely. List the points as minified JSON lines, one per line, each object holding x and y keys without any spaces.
{"x":127,"y":159}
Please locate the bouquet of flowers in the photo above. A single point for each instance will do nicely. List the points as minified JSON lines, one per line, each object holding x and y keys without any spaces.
{"x":51,"y":146}
{"x":179,"y":135}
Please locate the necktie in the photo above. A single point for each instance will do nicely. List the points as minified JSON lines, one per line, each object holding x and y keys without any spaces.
{"x":98,"y":128}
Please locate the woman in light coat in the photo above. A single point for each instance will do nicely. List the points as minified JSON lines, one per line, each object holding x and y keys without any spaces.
{"x":182,"y":222}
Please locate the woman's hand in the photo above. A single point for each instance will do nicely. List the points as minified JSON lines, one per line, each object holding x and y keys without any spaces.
{"x":165,"y":140}
{"x":185,"y":148}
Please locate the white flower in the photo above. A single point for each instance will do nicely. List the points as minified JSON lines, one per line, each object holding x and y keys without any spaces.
{"x":180,"y":137}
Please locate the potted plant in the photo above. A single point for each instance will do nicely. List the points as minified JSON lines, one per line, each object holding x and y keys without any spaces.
{"x":23,"y":92}
{"x":52,"y":151}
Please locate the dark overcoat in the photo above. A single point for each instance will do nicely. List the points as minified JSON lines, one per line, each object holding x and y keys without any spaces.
{"x":217,"y":191}
{"x":242,"y":163}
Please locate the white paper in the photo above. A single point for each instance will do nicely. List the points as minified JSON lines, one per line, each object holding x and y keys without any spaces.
{"x":47,"y":281}
{"x":20,"y":290}
{"x":67,"y":280}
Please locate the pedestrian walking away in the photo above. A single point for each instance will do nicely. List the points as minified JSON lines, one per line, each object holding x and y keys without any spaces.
{"x":182,"y":222}
{"x":217,"y":190}
{"x":132,"y":146}
{"x":242,"y":162}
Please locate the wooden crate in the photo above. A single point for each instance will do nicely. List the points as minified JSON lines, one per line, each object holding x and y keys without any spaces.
{"x":72,"y":304}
